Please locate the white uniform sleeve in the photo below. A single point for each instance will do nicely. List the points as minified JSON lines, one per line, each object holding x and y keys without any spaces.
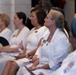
{"x":37,"y":52}
{"x":24,"y":36}
{"x":62,"y":49}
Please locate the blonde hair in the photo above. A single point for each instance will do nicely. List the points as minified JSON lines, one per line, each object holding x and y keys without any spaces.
{"x":59,"y":18}
{"x":4,"y":17}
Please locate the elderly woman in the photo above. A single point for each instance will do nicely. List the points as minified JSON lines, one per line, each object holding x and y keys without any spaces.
{"x":4,"y":31}
{"x":68,"y":66}
{"x":53,"y":50}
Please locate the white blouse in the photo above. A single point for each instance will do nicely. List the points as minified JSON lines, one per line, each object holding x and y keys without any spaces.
{"x":34,"y":38}
{"x":6,"y":33}
{"x":55,"y":51}
{"x":68,"y":66}
{"x":16,"y":40}
{"x":51,"y":53}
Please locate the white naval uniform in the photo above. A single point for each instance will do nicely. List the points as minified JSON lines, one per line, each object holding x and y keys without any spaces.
{"x":34,"y":38}
{"x":6,"y":33}
{"x":68,"y":66}
{"x":32,"y":41}
{"x":51,"y":53}
{"x":14,"y":42}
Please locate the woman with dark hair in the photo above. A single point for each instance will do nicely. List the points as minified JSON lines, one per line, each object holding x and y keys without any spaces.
{"x":22,"y":15}
{"x":37,"y":17}
{"x":54,"y":49}
{"x":17,"y":41}
{"x":20,"y":34}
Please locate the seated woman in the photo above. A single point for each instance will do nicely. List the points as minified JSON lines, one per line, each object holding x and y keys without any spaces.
{"x":4,"y":31}
{"x":37,"y":16}
{"x":68,"y":66}
{"x":18,"y":38}
{"x":53,"y":50}
{"x":17,"y":41}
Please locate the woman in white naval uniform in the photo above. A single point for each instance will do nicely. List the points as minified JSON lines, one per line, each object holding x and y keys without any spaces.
{"x":18,"y":38}
{"x":17,"y":41}
{"x":4,"y":31}
{"x":37,"y":17}
{"x":53,"y":50}
{"x":68,"y":66}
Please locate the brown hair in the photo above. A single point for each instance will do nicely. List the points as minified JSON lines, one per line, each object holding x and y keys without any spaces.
{"x":40,"y":14}
{"x":22,"y":15}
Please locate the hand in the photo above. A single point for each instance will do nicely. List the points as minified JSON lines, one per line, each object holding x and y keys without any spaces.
{"x":32,"y":68}
{"x":28,"y":55}
{"x":32,"y":58}
{"x":20,"y":56}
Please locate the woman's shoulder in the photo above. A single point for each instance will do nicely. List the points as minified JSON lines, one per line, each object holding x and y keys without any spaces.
{"x":26,"y":28}
{"x":42,"y":29}
{"x":33,"y":29}
{"x":7,"y":30}
{"x":61,"y":33}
